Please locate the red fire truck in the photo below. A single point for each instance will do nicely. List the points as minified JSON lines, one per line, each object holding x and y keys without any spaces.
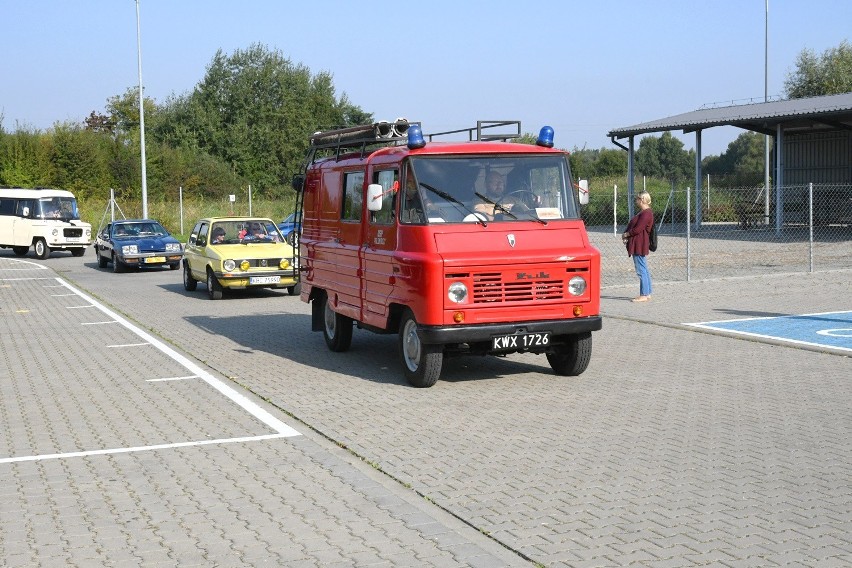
{"x":406,"y":235}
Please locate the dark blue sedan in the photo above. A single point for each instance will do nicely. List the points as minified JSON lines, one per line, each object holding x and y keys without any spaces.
{"x":290,"y":228}
{"x":136,"y":243}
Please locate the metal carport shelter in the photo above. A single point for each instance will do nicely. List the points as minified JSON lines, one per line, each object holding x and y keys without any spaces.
{"x":807,"y":120}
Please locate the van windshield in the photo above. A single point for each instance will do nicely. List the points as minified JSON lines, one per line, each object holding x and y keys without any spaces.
{"x":511,"y":187}
{"x":64,"y":208}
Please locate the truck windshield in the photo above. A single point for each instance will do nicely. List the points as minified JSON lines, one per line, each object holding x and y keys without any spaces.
{"x":511,"y":187}
{"x":64,"y":208}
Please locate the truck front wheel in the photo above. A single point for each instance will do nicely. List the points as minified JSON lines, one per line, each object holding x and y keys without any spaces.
{"x":42,"y":251}
{"x":421,"y":362}
{"x":572,"y":357}
{"x":337,"y":329}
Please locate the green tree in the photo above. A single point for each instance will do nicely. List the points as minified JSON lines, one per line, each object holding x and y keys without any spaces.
{"x":25,"y":158}
{"x":664,"y":157}
{"x":255,"y":110}
{"x":827,"y":74}
{"x":743,"y":161}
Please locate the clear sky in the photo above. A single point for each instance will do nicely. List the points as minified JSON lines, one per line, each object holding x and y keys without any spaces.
{"x":583,"y":68}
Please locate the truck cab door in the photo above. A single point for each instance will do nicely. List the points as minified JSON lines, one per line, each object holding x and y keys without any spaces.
{"x":377,"y":255}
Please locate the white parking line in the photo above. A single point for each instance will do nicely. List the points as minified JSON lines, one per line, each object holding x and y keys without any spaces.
{"x":129,"y":345}
{"x":97,"y":322}
{"x":172,"y":379}
{"x":241,"y":400}
{"x":142,"y":448}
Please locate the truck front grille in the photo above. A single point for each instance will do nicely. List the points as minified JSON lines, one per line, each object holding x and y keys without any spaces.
{"x":494,"y":287}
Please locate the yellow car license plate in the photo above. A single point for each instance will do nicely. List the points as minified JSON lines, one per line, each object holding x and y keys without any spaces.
{"x":264,"y":279}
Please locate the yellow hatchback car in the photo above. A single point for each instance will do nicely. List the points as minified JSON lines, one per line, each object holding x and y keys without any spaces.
{"x":238,"y":253}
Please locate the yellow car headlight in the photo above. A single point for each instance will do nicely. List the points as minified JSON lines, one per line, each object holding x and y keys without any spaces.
{"x":229,"y":265}
{"x":244,"y":265}
{"x":284,"y":264}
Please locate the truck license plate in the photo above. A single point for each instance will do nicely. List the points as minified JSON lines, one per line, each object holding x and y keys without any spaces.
{"x":264,"y":280}
{"x":520,"y":341}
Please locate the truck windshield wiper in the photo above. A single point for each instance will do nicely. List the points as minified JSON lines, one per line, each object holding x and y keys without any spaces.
{"x":503,"y":209}
{"x":452,"y":199}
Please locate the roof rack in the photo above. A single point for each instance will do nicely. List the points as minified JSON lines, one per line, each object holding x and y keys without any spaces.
{"x":360,"y":137}
{"x":483,"y":125}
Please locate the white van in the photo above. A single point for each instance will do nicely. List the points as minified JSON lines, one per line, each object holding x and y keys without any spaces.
{"x":46,"y":219}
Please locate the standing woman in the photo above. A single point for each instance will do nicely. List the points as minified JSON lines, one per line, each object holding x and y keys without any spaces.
{"x":635,"y":237}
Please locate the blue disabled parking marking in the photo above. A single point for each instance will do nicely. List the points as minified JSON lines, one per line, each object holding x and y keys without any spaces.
{"x":827,"y":329}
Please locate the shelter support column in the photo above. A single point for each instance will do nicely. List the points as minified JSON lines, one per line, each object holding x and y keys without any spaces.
{"x":779,"y":178}
{"x":698,"y":181}
{"x":631,"y":165}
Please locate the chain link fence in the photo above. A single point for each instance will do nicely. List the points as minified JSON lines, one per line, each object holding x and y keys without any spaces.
{"x":739,"y":232}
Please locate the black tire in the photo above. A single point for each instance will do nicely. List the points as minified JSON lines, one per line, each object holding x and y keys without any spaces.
{"x":421,"y":363}
{"x":20,"y":251}
{"x":292,"y":239}
{"x":573,"y":357}
{"x":117,"y":266}
{"x":337,"y":329}
{"x":42,"y":251}
{"x":214,"y":289}
{"x":102,"y":260}
{"x":174,"y":266}
{"x":295,"y":290}
{"x":189,"y":283}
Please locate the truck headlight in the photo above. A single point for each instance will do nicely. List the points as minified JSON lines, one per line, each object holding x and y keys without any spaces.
{"x":229,"y":265}
{"x":577,"y":285}
{"x":457,"y":292}
{"x":129,"y":249}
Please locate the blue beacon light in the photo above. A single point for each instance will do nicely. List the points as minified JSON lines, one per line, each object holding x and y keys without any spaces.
{"x":545,"y":137}
{"x":415,"y":137}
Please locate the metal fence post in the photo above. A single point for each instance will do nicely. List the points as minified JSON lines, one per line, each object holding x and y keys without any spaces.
{"x":688,"y":234}
{"x":811,"y":225}
{"x":615,"y":210}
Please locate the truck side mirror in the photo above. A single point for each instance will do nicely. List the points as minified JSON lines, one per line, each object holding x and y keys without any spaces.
{"x":374,"y":197}
{"x":583,"y":190}
{"x":298,"y":182}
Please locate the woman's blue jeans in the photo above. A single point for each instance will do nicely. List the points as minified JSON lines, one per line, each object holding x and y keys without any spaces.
{"x":641,"y":264}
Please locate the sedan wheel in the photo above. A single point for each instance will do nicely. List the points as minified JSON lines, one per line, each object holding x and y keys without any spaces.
{"x":214,"y":289}
{"x":102,"y":260}
{"x":189,"y":283}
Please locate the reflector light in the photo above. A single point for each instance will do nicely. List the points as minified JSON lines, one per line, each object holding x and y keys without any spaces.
{"x":578,"y":311}
{"x":458,"y":317}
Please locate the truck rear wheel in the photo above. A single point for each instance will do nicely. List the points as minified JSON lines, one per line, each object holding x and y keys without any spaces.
{"x":337,"y":328}
{"x":573,"y":357}
{"x":421,"y":362}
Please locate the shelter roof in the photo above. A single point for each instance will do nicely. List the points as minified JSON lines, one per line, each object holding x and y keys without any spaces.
{"x":830,"y":112}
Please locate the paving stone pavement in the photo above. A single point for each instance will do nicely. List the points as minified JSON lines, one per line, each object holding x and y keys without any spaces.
{"x":677,"y":447}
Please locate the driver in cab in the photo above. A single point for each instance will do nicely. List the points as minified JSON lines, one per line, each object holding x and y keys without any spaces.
{"x":495,"y":189}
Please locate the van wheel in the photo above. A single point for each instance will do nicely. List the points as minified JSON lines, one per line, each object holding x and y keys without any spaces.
{"x":42,"y":251}
{"x":421,"y":363}
{"x":102,"y":260}
{"x":214,"y":289}
{"x":21,"y":251}
{"x":337,"y":329}
{"x":295,"y":290}
{"x":572,"y":358}
{"x":189,"y":283}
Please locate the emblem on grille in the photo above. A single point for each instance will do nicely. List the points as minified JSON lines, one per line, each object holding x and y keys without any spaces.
{"x":511,"y":238}
{"x":263,"y":262}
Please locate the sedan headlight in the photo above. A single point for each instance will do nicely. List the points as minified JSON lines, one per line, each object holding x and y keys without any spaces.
{"x":457,"y":292}
{"x":172,"y":247}
{"x":284,"y":264}
{"x":245,"y":265}
{"x":229,"y":265}
{"x":576,"y":286}
{"x":129,"y":249}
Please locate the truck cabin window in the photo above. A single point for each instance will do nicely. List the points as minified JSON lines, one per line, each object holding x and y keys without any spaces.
{"x":490,"y":188}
